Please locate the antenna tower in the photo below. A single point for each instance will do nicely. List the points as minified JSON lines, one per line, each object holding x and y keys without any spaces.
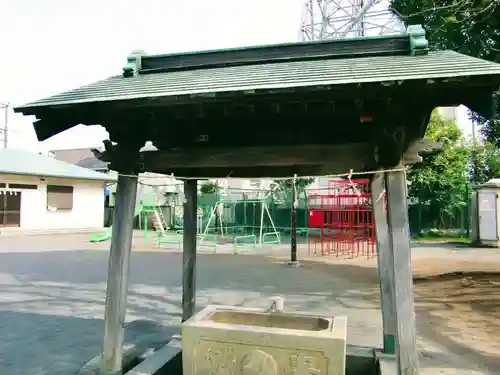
{"x":335,"y":19}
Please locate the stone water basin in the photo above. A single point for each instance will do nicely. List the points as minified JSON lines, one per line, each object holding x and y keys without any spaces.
{"x":226,"y":340}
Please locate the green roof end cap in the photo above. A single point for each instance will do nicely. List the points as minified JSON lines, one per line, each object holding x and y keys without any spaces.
{"x":419,"y":45}
{"x":133,"y":64}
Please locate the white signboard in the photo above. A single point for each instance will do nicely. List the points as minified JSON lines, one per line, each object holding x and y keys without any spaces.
{"x":487,"y":216}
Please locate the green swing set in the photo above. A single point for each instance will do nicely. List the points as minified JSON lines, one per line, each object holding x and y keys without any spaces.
{"x":225,"y":222}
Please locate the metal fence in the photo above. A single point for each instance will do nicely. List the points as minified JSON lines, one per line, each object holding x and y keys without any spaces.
{"x":424,"y":219}
{"x":332,"y":220}
{"x":341,"y":221}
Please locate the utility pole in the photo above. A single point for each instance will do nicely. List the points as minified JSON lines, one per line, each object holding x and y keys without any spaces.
{"x":5,"y":107}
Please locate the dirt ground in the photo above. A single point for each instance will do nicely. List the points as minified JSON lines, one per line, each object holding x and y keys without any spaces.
{"x":460,"y":298}
{"x":465,"y":305}
{"x":457,"y":303}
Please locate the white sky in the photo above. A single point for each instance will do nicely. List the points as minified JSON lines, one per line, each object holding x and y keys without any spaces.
{"x":49,"y":46}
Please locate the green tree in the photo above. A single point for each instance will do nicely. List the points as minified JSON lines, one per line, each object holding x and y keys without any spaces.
{"x":485,"y":162}
{"x":282,"y":189}
{"x":467,"y":26}
{"x":209,"y":187}
{"x":438,"y":185}
{"x":471,"y":27}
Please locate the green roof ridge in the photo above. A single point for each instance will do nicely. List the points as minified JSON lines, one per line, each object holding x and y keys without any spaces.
{"x":138,"y":62}
{"x":287,"y":44}
{"x":418,"y":42}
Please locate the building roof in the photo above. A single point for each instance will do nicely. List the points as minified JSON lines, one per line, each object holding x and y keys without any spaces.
{"x":73,"y":155}
{"x":91,"y":162}
{"x":381,"y":60}
{"x":83,"y":157}
{"x":281,"y":75}
{"x":26,"y":163}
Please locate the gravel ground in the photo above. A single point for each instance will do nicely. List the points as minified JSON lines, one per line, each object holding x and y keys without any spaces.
{"x":52,"y":298}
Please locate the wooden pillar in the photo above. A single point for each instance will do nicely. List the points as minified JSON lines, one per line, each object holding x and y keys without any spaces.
{"x":118,"y":273}
{"x":293,"y":242}
{"x":399,"y":273}
{"x":189,"y":249}
{"x":384,"y":261}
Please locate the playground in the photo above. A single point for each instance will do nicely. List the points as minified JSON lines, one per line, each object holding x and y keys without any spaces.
{"x":336,"y":220}
{"x":222,"y":221}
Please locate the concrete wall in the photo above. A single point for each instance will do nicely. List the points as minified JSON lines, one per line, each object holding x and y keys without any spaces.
{"x":88,"y":204}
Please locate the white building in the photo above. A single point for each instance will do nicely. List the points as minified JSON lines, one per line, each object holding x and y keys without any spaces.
{"x":152,"y":189}
{"x":449,"y":113}
{"x":41,"y":194}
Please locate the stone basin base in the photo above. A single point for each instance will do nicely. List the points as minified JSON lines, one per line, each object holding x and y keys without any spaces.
{"x":359,"y":361}
{"x":226,"y":340}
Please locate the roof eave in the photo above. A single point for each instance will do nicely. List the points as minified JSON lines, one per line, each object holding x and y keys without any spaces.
{"x":36,"y":109}
{"x":104,"y":180}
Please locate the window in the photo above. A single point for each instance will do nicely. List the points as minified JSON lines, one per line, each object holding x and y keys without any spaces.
{"x":10,"y":209}
{"x":23,"y":186}
{"x":59,"y":198}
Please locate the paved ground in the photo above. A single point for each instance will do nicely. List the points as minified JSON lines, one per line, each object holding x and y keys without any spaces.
{"x":52,"y":298}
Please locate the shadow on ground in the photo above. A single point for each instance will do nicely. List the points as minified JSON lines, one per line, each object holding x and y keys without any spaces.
{"x":53,"y":302}
{"x":60,"y":345}
{"x":33,"y":343}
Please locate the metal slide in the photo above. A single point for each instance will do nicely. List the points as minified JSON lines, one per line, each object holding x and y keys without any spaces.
{"x":100,"y":237}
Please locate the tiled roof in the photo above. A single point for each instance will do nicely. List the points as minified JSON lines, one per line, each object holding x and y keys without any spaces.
{"x":245,"y":78}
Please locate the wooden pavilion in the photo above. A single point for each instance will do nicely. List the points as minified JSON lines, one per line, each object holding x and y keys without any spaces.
{"x":311,"y":108}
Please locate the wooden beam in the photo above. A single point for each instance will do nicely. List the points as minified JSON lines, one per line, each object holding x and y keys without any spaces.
{"x":326,"y":160}
{"x":189,"y":249}
{"x":258,"y":156}
{"x":399,"y":272}
{"x":259,"y":172}
{"x":264,"y":161}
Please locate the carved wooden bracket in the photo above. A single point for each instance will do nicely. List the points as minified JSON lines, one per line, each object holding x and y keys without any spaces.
{"x":123,"y":158}
{"x":106,"y":154}
{"x":416,"y":148}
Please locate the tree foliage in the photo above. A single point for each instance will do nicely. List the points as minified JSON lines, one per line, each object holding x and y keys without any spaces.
{"x":485,"y":163}
{"x":300,"y":183}
{"x":282,"y":189}
{"x":439,"y":183}
{"x":467,"y":26}
{"x":209,"y":187}
{"x":471,"y":27}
